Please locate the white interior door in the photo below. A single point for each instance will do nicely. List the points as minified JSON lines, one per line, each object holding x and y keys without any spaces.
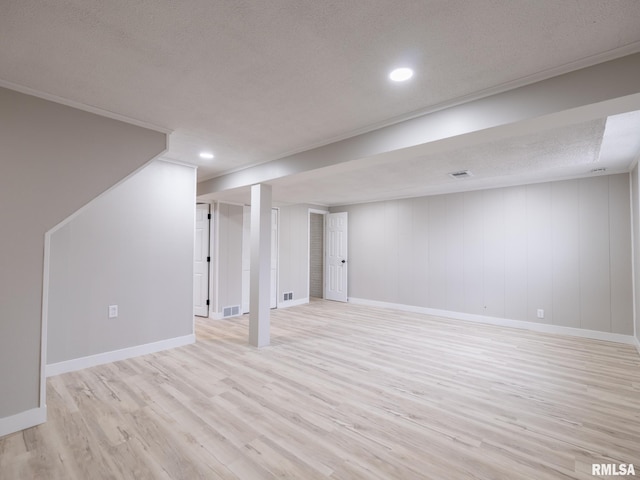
{"x":335,"y":261}
{"x":246,"y":258}
{"x":201,"y":262}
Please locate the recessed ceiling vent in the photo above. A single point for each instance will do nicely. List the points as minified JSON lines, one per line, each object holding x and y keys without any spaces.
{"x":598,"y":170}
{"x":461,"y":174}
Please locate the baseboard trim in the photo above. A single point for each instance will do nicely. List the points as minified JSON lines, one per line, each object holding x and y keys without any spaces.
{"x":23,"y":420}
{"x":220,"y":316}
{"x":287,"y":304}
{"x":504,"y":322}
{"x":116,"y":355}
{"x":294,"y":303}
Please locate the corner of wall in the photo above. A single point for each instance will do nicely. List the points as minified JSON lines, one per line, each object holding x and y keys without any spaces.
{"x":117,"y":355}
{"x":122,"y":234}
{"x":98,"y":153}
{"x":23,"y":420}
{"x":634,"y":179}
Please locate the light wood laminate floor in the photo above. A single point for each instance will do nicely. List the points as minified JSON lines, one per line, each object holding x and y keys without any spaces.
{"x":344,"y":392}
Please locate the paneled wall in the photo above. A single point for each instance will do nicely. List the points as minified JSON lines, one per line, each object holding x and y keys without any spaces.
{"x":229,"y":259}
{"x":563,"y":247}
{"x":293,"y":251}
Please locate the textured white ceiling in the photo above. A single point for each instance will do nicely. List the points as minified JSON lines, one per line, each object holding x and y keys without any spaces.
{"x":253,"y":81}
{"x":571,"y":151}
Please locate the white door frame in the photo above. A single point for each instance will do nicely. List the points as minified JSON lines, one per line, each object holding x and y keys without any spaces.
{"x":202,"y":294}
{"x":275,"y":256}
{"x":214,"y":250}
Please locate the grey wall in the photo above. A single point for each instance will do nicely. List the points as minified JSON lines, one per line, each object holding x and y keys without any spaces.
{"x":54,"y":159}
{"x":132,"y":247}
{"x":293,"y":248}
{"x":635,"y":205}
{"x":293,"y":253}
{"x":229,"y":258}
{"x":564,"y":247}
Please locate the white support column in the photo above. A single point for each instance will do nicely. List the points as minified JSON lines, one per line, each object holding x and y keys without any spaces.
{"x":260,"y":275}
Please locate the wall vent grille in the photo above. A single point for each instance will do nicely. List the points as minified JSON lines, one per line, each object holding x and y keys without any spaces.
{"x":288,"y":296}
{"x":461,"y":174}
{"x":231,"y":311}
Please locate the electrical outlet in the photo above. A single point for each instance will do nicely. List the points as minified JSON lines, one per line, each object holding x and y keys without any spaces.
{"x":113,"y":311}
{"x":540,"y":313}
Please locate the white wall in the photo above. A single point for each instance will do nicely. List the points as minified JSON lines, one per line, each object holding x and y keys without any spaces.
{"x":53,"y":160}
{"x":635,"y":207}
{"x":132,"y":247}
{"x":229,"y":257}
{"x":293,"y":251}
{"x":564,"y":247}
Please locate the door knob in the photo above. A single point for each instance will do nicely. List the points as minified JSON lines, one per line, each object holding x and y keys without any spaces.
{"x":344,"y":261}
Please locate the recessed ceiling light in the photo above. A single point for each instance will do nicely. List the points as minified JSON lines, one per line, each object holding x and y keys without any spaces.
{"x":206,"y":155}
{"x":401,"y":74}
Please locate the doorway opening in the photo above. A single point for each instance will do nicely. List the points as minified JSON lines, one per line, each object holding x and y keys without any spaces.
{"x":316,"y":254}
{"x":201,"y":261}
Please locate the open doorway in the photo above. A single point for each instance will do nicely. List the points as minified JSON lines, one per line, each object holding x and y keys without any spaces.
{"x":316,"y":253}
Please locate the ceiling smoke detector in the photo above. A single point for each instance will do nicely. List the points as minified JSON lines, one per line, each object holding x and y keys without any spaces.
{"x":461,"y":174}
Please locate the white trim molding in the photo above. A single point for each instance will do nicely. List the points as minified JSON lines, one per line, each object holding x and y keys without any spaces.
{"x":636,"y":342}
{"x":504,"y":322}
{"x":83,"y":106}
{"x":116,"y":355}
{"x":23,"y":420}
